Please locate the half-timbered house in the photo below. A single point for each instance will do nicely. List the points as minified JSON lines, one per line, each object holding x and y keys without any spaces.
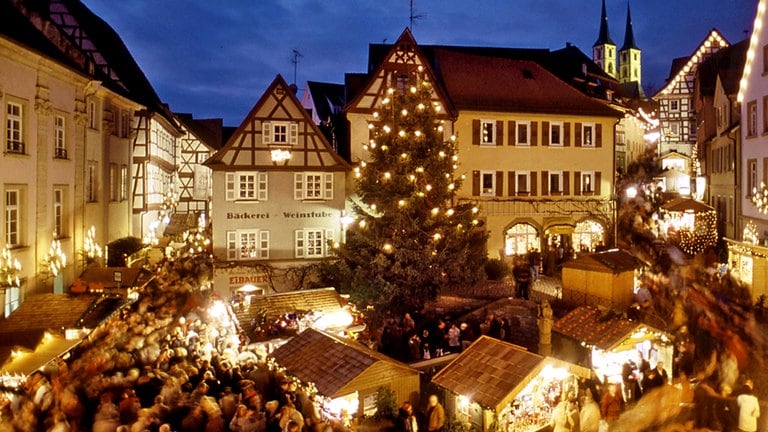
{"x":677,"y":116}
{"x":279,"y":193}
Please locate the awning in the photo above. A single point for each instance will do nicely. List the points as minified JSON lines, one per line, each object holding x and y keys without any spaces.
{"x":24,"y":362}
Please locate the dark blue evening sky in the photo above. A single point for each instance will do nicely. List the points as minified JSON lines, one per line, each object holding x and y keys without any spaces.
{"x":214,"y":58}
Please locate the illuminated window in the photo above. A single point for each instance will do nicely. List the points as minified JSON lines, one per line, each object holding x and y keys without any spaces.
{"x":14,"y":128}
{"x":247,"y":245}
{"x":59,"y":227}
{"x":313,"y":186}
{"x":487,"y":132}
{"x":519,"y":239}
{"x":12,"y":217}
{"x":114,"y":185}
{"x":59,"y":137}
{"x":555,"y":182}
{"x":123,"y":182}
{"x":751,"y":175}
{"x":91,"y":181}
{"x":246,"y":186}
{"x":588,"y":135}
{"x":92,"y":115}
{"x":587,"y":182}
{"x":313,"y":243}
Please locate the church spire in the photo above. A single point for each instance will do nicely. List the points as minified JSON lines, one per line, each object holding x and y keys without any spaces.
{"x":604,"y":38}
{"x":629,"y":35}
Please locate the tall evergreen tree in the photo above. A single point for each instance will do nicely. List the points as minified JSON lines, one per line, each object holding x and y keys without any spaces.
{"x":411,"y":237}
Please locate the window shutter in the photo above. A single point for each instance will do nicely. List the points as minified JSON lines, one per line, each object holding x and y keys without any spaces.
{"x":534,"y":133}
{"x":566,"y":134}
{"x":566,"y":182}
{"x":294,"y":134}
{"x":299,"y":245}
{"x":231,"y":245}
{"x":499,"y":183}
{"x":545,"y":133}
{"x":329,"y":240}
{"x":231,"y":186}
{"x":511,"y":133}
{"x":261,"y":192}
{"x":266,"y":133}
{"x":298,"y":186}
{"x":597,"y":183}
{"x":264,"y":244}
{"x":475,"y":183}
{"x":533,"y":185}
{"x":577,"y":182}
{"x":328,"y":186}
{"x":511,"y":181}
{"x":476,"y":132}
{"x":577,"y":137}
{"x":499,"y":133}
{"x":598,"y":135}
{"x":544,"y":183}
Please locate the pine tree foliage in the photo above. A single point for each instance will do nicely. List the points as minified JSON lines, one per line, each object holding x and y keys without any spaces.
{"x":411,"y":238}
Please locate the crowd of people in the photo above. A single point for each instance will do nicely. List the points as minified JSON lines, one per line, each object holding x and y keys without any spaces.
{"x":169,"y":362}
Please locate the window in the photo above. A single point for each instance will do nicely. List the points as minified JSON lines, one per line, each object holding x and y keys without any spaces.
{"x":587,"y":182}
{"x":14,"y":132}
{"x":246,"y":186}
{"x":674,"y":128}
{"x":114,"y":182}
{"x":751,"y":176}
{"x":247,"y":245}
{"x":313,"y":243}
{"x":556,"y":133}
{"x":765,"y":59}
{"x":280,"y":133}
{"x":752,"y":119}
{"x":523,"y":132}
{"x":674,"y":105}
{"x":523,"y":182}
{"x":719,"y":116}
{"x":12,"y":217}
{"x":555,"y":182}
{"x":91,"y":179}
{"x":487,"y":183}
{"x":59,"y":229}
{"x":313,"y":186}
{"x":93,"y":120}
{"x":125,"y":124}
{"x":59,"y":137}
{"x":123,"y":182}
{"x":765,"y":114}
{"x":588,"y":135}
{"x":487,"y":132}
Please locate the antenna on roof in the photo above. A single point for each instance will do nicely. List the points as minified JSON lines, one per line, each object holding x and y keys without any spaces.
{"x":295,"y":60}
{"x":414,"y":16}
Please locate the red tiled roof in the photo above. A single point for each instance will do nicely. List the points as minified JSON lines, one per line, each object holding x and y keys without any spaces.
{"x":328,"y":361}
{"x":501,"y":84}
{"x":489,"y":372}
{"x":604,"y":330}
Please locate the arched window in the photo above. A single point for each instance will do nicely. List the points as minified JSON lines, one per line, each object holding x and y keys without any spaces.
{"x":519,"y":239}
{"x":587,"y":236}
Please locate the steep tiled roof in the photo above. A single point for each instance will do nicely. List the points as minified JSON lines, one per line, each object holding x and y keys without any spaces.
{"x":588,"y":324}
{"x":40,"y":313}
{"x":208,"y":131}
{"x":275,"y":305}
{"x":489,"y":372}
{"x":629,"y":35}
{"x":604,"y":37}
{"x":328,"y":98}
{"x":728,"y":64}
{"x":613,"y":261}
{"x":498,"y":84}
{"x":328,"y":361}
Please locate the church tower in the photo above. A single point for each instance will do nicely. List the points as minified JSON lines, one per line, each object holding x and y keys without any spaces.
{"x":604,"y":50}
{"x":629,"y":56}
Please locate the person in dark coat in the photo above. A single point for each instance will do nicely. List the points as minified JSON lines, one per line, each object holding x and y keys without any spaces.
{"x":522,"y":274}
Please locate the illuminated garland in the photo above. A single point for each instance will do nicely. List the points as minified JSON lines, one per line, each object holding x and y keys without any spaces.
{"x":760,"y":198}
{"x":702,"y":235}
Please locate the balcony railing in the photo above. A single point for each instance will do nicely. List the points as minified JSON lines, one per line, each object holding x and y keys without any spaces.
{"x":60,"y":153}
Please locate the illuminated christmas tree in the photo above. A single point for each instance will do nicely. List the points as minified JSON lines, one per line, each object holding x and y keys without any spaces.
{"x":411,"y":238}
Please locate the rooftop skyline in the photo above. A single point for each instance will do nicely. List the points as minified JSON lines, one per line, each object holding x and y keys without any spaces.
{"x":215,"y":59}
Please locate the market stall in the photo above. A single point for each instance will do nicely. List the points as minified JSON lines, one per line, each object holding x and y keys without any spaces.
{"x":606,"y":341}
{"x":497,"y":383}
{"x":343,"y":374}
{"x":604,"y":278}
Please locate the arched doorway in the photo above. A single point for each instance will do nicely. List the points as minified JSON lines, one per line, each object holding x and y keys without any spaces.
{"x":588,"y":235}
{"x":521,"y":238}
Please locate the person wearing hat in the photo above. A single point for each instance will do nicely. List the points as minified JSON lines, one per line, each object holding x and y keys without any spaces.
{"x":749,"y":408}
